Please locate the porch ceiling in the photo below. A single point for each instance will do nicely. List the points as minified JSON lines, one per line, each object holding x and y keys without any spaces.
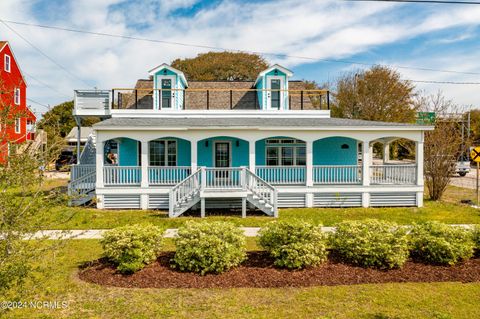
{"x":250,"y":123}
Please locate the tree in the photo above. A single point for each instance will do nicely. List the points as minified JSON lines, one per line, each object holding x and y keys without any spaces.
{"x":377,"y":94}
{"x":222,"y":66}
{"x":25,"y":203}
{"x":442,"y":145}
{"x":59,"y":121}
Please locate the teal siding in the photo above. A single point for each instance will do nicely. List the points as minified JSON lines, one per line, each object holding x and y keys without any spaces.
{"x":128,"y":152}
{"x":260,"y":94}
{"x":239,"y":154}
{"x":328,"y":151}
{"x":183,"y":152}
{"x":177,"y":83}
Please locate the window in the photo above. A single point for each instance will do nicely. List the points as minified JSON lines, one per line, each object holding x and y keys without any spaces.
{"x":7,"y":65}
{"x":163,"y":153}
{"x":17,"y":96}
{"x":17,"y":125}
{"x":285,"y":152}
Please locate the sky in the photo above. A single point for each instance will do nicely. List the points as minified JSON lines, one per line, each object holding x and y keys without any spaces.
{"x":304,"y":36}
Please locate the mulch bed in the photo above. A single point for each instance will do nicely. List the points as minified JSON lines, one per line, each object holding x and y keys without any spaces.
{"x":258,"y":272}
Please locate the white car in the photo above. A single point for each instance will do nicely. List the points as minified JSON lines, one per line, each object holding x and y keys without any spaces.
{"x":462,"y":166}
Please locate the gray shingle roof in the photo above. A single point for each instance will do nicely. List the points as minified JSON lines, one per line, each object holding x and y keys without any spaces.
{"x":250,"y":122}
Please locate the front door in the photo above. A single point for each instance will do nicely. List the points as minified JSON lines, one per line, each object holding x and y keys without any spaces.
{"x":222,"y":159}
{"x":166,"y":93}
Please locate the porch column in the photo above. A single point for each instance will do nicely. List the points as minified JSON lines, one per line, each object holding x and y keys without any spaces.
{"x":144,"y":183}
{"x":366,"y":161}
{"x":386,"y":152}
{"x":419,"y":161}
{"x":193,"y":155}
{"x":144,"y":160}
{"x":309,"y":163}
{"x":99,"y":170}
{"x":251,"y":155}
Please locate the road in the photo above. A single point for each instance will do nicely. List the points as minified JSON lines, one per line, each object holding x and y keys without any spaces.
{"x":468,"y":181}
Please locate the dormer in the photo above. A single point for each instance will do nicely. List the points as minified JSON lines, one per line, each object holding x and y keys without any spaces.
{"x":169,"y":85}
{"x":272,"y":86}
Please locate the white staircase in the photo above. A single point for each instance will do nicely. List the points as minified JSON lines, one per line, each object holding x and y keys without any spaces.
{"x":223,"y":183}
{"x":82,"y":189}
{"x":89,"y":151}
{"x":185,"y":194}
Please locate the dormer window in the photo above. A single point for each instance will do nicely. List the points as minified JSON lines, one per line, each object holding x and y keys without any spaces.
{"x":169,"y":86}
{"x":7,"y":63}
{"x":272,"y":86}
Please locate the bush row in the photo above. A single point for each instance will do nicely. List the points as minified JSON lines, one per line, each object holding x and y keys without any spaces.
{"x":215,"y":247}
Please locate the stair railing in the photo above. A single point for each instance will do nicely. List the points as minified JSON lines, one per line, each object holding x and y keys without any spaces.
{"x":184,"y":192}
{"x":262,"y":189}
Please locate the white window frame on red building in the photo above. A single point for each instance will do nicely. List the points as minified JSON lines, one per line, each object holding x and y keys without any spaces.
{"x":8,"y":65}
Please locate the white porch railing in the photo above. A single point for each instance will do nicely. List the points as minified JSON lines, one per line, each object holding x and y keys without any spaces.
{"x":80,"y":170}
{"x":282,"y":174}
{"x":167,"y":175}
{"x":393,"y":174}
{"x":122,"y":175}
{"x":337,"y":174}
{"x":228,"y":177}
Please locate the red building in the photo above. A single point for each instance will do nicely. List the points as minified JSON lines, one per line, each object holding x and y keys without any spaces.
{"x":19,"y":122}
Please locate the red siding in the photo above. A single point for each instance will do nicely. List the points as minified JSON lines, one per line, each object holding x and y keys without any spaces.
{"x":8,"y":82}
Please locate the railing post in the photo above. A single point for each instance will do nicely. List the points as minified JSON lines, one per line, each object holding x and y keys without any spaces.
{"x":171,"y":203}
{"x":366,"y":159}
{"x":184,"y":99}
{"x":204,"y":178}
{"x":231,"y":99}
{"x":136,"y":99}
{"x":113,"y":99}
{"x":328,"y":100}
{"x":208,"y":99}
{"x":275,"y":205}
{"x":301,"y":100}
{"x":243,"y":177}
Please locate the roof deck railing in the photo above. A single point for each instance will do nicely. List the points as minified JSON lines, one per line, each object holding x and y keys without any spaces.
{"x":215,"y":98}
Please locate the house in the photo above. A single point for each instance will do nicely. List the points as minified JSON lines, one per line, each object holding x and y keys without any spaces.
{"x":18,"y":124}
{"x":72,"y":136}
{"x":176,"y":145}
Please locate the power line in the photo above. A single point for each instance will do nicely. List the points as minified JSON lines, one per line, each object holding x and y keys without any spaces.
{"x":120,"y":36}
{"x":44,"y":54}
{"x":46,"y":85}
{"x":445,"y":82}
{"x":419,"y":1}
{"x":41,"y":104}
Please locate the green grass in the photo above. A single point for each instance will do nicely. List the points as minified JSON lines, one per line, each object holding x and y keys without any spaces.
{"x":447,"y":211}
{"x":398,"y":300}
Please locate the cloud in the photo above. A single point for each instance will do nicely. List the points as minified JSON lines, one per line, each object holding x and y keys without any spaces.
{"x":319,"y":29}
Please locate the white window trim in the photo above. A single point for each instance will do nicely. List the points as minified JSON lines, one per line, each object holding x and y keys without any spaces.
{"x":282,"y":93}
{"x":158,"y":96}
{"x":9,"y":63}
{"x":17,"y":98}
{"x":19,"y":121}
{"x":166,"y":152}
{"x":214,"y":153}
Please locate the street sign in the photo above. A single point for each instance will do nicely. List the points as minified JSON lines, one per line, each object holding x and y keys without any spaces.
{"x":426,"y":118}
{"x":475,"y":154}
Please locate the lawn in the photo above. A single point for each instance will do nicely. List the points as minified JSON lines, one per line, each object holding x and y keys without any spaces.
{"x":449,"y":211}
{"x":406,"y":300}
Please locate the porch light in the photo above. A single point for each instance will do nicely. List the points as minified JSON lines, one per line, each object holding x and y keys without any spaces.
{"x":237,"y":143}
{"x":206,"y":143}
{"x":345,"y":146}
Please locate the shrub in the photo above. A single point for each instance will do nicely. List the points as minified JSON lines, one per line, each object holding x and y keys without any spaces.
{"x":132,"y":247}
{"x":476,"y":239}
{"x":371,"y":243}
{"x":209,"y":247}
{"x":294,"y":244}
{"x":438,"y":243}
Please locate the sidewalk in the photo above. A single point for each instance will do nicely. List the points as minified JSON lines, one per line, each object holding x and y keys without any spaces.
{"x":169,"y":233}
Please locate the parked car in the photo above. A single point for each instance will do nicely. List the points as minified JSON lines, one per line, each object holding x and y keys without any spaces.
{"x":462,"y":166}
{"x":66,"y":158}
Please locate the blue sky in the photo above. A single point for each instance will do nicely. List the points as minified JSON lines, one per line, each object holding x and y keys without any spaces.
{"x":415,"y":35}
